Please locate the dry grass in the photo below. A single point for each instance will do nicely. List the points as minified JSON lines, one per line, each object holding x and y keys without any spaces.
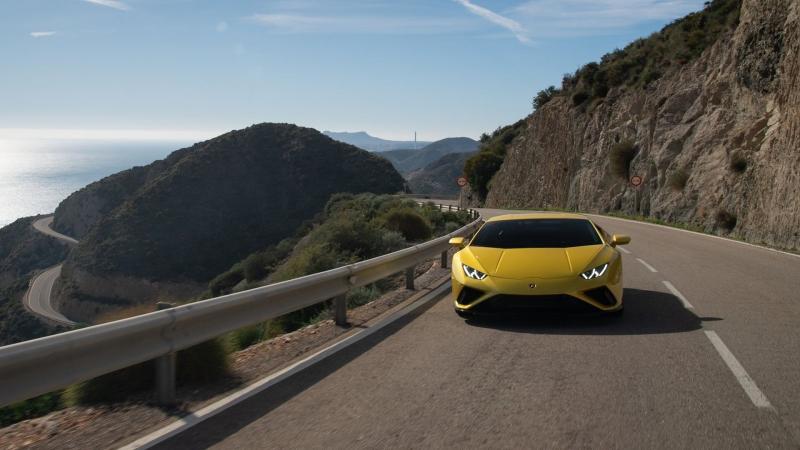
{"x":124,"y":313}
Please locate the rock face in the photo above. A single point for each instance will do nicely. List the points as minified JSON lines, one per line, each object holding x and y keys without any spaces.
{"x":164,"y":230}
{"x":716,"y":141}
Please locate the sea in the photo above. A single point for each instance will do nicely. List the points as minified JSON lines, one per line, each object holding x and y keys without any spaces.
{"x":37,"y":174}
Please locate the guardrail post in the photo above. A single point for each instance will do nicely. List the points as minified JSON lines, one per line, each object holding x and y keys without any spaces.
{"x":444,"y":259}
{"x":165,"y":372}
{"x":340,"y":310}
{"x":410,"y":278}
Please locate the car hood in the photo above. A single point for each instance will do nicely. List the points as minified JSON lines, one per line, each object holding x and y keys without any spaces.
{"x":534,"y":262}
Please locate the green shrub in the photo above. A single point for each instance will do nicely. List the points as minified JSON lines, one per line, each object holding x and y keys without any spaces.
{"x":579,"y":98}
{"x":621,"y":156}
{"x":480,"y":168}
{"x":738,"y":162}
{"x":450,"y":227}
{"x":678,"y":179}
{"x":543,"y":97}
{"x":204,"y":362}
{"x":254,"y":267}
{"x":407,"y":222}
{"x":726,"y":219}
{"x":362,"y":295}
{"x":224,"y":282}
{"x":29,"y":409}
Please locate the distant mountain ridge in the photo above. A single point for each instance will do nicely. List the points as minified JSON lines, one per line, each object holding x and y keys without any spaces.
{"x":407,"y":161}
{"x":363,"y":140}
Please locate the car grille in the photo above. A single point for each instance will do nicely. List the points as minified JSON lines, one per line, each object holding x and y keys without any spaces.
{"x":562,"y":302}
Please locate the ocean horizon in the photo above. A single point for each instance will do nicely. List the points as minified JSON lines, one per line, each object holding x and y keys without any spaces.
{"x":37,"y":174}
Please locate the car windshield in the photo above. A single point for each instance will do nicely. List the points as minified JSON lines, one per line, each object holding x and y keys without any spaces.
{"x":537,"y":233}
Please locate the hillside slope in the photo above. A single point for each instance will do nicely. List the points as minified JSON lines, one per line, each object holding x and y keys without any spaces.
{"x":183,"y":220}
{"x":409,"y":160}
{"x":439,"y":177}
{"x":715,"y":138}
{"x":23,"y":252}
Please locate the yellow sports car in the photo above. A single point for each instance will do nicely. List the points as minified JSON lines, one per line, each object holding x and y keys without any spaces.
{"x":540,"y":260}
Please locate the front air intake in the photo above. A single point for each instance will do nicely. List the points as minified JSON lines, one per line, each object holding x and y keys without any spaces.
{"x":601,"y":295}
{"x":468,"y":295}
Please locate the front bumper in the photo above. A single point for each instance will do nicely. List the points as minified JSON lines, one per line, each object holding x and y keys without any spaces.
{"x":570,"y":294}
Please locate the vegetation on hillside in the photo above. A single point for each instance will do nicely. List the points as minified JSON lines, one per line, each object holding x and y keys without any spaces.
{"x":480,"y":168}
{"x":351,"y":228}
{"x":648,"y":59}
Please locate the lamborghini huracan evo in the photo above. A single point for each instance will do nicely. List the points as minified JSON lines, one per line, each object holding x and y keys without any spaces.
{"x":547,"y":261}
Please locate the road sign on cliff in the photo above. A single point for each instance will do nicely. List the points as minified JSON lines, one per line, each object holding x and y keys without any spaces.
{"x":636,"y":181}
{"x":461,"y":181}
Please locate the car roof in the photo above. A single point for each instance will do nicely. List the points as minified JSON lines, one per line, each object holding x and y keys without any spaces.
{"x":538,"y":215}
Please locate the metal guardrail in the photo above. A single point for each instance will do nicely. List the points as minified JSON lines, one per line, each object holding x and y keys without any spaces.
{"x":38,"y":366}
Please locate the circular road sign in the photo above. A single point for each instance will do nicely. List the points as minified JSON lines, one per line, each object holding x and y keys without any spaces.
{"x":636,"y":180}
{"x":462,"y":181}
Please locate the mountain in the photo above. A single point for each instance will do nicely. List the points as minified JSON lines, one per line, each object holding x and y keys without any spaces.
{"x":707,"y":112}
{"x":163,"y":230}
{"x":409,"y":160}
{"x":363,"y":140}
{"x":439,"y":177}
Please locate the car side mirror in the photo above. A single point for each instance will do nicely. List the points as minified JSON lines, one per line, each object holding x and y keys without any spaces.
{"x":620,"y":239}
{"x":457,"y":242}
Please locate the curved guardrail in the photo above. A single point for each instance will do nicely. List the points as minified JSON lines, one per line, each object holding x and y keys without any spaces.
{"x":38,"y":366}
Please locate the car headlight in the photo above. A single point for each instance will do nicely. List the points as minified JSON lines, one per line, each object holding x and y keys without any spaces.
{"x":473,"y":273}
{"x":597,"y":272}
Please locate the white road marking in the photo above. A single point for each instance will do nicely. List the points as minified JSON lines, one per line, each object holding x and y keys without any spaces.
{"x":756,"y":396}
{"x":699,"y":234}
{"x":678,"y":294}
{"x":627,"y":252}
{"x":217,"y":407}
{"x":649,"y":267}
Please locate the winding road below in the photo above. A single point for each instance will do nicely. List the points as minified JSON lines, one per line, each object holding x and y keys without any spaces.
{"x":37,"y":299}
{"x":705,"y":356}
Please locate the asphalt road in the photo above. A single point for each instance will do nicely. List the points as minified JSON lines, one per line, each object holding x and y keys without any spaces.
{"x":705,"y":356}
{"x":37,"y":299}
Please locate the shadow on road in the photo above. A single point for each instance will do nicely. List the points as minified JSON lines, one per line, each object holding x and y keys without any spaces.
{"x":646,"y":312}
{"x":217,"y":428}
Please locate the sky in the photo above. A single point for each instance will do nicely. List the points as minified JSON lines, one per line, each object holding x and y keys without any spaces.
{"x":199,"y":67}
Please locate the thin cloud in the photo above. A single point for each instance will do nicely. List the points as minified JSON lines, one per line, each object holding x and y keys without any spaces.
{"x":222,"y":27}
{"x":301,"y":23}
{"x":559,"y":18}
{"x":116,"y":4}
{"x":509,"y":24}
{"x":39,"y":34}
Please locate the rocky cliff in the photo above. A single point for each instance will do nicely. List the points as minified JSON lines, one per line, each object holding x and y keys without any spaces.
{"x":162,"y":231}
{"x":716,"y":139}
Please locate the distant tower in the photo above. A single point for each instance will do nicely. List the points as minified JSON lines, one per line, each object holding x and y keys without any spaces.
{"x":415,"y":139}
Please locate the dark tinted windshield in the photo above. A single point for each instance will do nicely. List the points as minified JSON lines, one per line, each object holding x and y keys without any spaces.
{"x":537,"y":233}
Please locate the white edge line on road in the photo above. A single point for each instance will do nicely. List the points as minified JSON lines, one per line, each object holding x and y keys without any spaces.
{"x":678,"y":294}
{"x":649,"y":267}
{"x":713,"y":236}
{"x":756,"y":396}
{"x":627,"y":252}
{"x":221,"y":405}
